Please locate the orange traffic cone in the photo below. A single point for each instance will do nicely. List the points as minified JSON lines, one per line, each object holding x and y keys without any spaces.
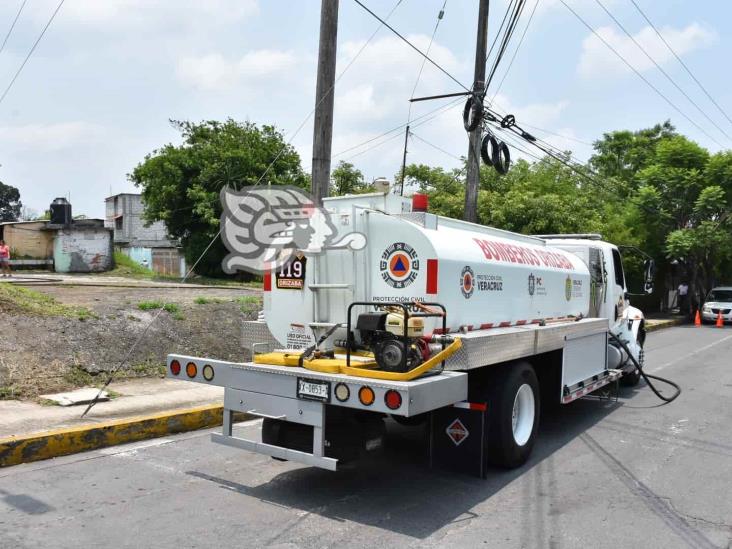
{"x":697,"y":319}
{"x":720,"y":322}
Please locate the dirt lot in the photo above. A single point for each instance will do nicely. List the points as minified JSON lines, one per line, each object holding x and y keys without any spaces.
{"x":41,"y":353}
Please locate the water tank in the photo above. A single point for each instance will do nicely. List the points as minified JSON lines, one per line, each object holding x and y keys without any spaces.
{"x":60,"y":212}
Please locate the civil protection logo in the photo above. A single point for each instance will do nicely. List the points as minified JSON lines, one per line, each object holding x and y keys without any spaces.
{"x":532,"y":284}
{"x":265,"y":227}
{"x":399,"y":265}
{"x":467,"y":282}
{"x":568,"y":288}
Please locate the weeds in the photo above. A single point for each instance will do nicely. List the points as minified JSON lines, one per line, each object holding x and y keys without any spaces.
{"x":201,"y":300}
{"x":249,"y":303}
{"x":24,"y":300}
{"x":154,"y":305}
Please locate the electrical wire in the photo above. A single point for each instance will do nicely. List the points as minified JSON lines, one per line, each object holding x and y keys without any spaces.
{"x":443,"y":151}
{"x":12,"y":25}
{"x":660,"y":68}
{"x":415,"y":48}
{"x":33,"y":48}
{"x":429,"y":47}
{"x":686,"y":68}
{"x":637,"y":72}
{"x":513,"y":58}
{"x":508,"y":34}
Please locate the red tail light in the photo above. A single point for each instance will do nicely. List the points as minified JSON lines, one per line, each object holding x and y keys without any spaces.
{"x":175,"y":367}
{"x":393,"y":399}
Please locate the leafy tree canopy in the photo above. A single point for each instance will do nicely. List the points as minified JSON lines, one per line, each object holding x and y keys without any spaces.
{"x":10,"y":204}
{"x":181,"y":183}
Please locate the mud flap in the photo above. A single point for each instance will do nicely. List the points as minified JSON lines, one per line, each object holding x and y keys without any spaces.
{"x":457,"y":438}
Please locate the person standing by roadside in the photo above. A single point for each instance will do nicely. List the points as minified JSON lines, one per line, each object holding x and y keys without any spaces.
{"x":683,"y":291}
{"x":5,"y":258}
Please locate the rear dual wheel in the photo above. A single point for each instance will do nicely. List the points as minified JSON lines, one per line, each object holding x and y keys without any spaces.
{"x":513,"y":415}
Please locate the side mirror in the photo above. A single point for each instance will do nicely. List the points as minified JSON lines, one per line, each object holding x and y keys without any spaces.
{"x":649,"y":268}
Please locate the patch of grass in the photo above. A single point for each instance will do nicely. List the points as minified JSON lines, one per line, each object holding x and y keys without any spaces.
{"x":16,"y":299}
{"x":249,"y":303}
{"x":8,"y":392}
{"x":179,"y":316}
{"x":124,"y":266}
{"x":79,"y":377}
{"x":150,"y":305}
{"x":201,"y":300}
{"x":46,"y":402}
{"x":155,"y":305}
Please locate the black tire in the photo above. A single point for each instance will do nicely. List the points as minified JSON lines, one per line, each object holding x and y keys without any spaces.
{"x":631,"y":379}
{"x":472,"y":113}
{"x":501,"y":158}
{"x":502,"y":448}
{"x":486,"y":147}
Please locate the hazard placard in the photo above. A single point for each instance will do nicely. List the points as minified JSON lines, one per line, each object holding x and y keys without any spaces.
{"x":457,"y":432}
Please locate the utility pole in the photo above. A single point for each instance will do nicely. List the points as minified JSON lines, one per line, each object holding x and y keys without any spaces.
{"x":324,"y":96}
{"x":473,"y":172}
{"x":404,"y":160}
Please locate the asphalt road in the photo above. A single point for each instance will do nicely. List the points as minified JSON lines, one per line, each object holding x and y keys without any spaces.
{"x":604,"y":474}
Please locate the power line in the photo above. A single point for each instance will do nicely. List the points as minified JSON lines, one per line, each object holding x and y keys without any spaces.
{"x":12,"y":25}
{"x":688,"y":70}
{"x":508,"y":34}
{"x":660,"y":68}
{"x":443,"y":151}
{"x":429,"y":47}
{"x":53,"y":16}
{"x":415,"y":48}
{"x":513,"y":58}
{"x":631,"y":67}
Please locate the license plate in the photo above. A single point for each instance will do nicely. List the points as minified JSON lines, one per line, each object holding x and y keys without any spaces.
{"x":311,"y":389}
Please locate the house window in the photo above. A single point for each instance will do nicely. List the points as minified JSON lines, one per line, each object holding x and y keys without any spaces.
{"x":118,"y":223}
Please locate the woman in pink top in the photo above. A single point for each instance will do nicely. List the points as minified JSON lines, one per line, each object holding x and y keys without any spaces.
{"x":5,"y":258}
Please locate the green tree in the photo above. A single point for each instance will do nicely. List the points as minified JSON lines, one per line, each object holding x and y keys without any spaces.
{"x":689,"y":191}
{"x":622,"y":154}
{"x":346,"y":179}
{"x":10,"y":204}
{"x":181,"y":183}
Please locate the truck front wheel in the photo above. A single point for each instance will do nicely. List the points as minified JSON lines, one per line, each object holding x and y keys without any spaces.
{"x":513,"y":415}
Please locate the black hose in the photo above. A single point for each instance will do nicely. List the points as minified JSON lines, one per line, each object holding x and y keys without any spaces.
{"x":648,"y":377}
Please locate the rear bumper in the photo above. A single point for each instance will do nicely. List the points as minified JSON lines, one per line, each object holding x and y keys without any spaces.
{"x":271,"y":392}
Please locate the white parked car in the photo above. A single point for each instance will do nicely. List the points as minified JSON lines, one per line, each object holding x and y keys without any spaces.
{"x":718,"y":299}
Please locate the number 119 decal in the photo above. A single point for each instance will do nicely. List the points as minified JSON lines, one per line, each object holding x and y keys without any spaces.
{"x":291,"y":276}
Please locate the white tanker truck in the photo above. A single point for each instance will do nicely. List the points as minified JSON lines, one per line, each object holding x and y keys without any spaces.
{"x":464,"y":328}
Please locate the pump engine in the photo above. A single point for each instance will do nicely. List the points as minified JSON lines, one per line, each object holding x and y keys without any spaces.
{"x":383,"y":333}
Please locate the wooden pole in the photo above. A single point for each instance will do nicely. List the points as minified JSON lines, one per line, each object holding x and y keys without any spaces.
{"x":473,"y":167}
{"x":324,"y":96}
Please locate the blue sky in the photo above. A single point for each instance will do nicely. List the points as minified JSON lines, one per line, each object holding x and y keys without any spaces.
{"x":99,"y":90}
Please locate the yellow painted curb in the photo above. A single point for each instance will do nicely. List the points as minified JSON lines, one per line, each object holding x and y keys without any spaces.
{"x":663,"y":324}
{"x":60,"y":442}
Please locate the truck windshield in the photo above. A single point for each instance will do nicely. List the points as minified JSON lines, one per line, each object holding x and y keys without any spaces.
{"x":720,"y":295}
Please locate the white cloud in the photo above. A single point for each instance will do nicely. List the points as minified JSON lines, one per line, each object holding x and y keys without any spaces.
{"x":597,"y":59}
{"x":117,"y":14}
{"x":214,"y":72}
{"x":50,"y":137}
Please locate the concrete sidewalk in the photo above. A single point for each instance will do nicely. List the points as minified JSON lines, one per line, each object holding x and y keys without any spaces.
{"x":138,"y":397}
{"x":54,"y":279}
